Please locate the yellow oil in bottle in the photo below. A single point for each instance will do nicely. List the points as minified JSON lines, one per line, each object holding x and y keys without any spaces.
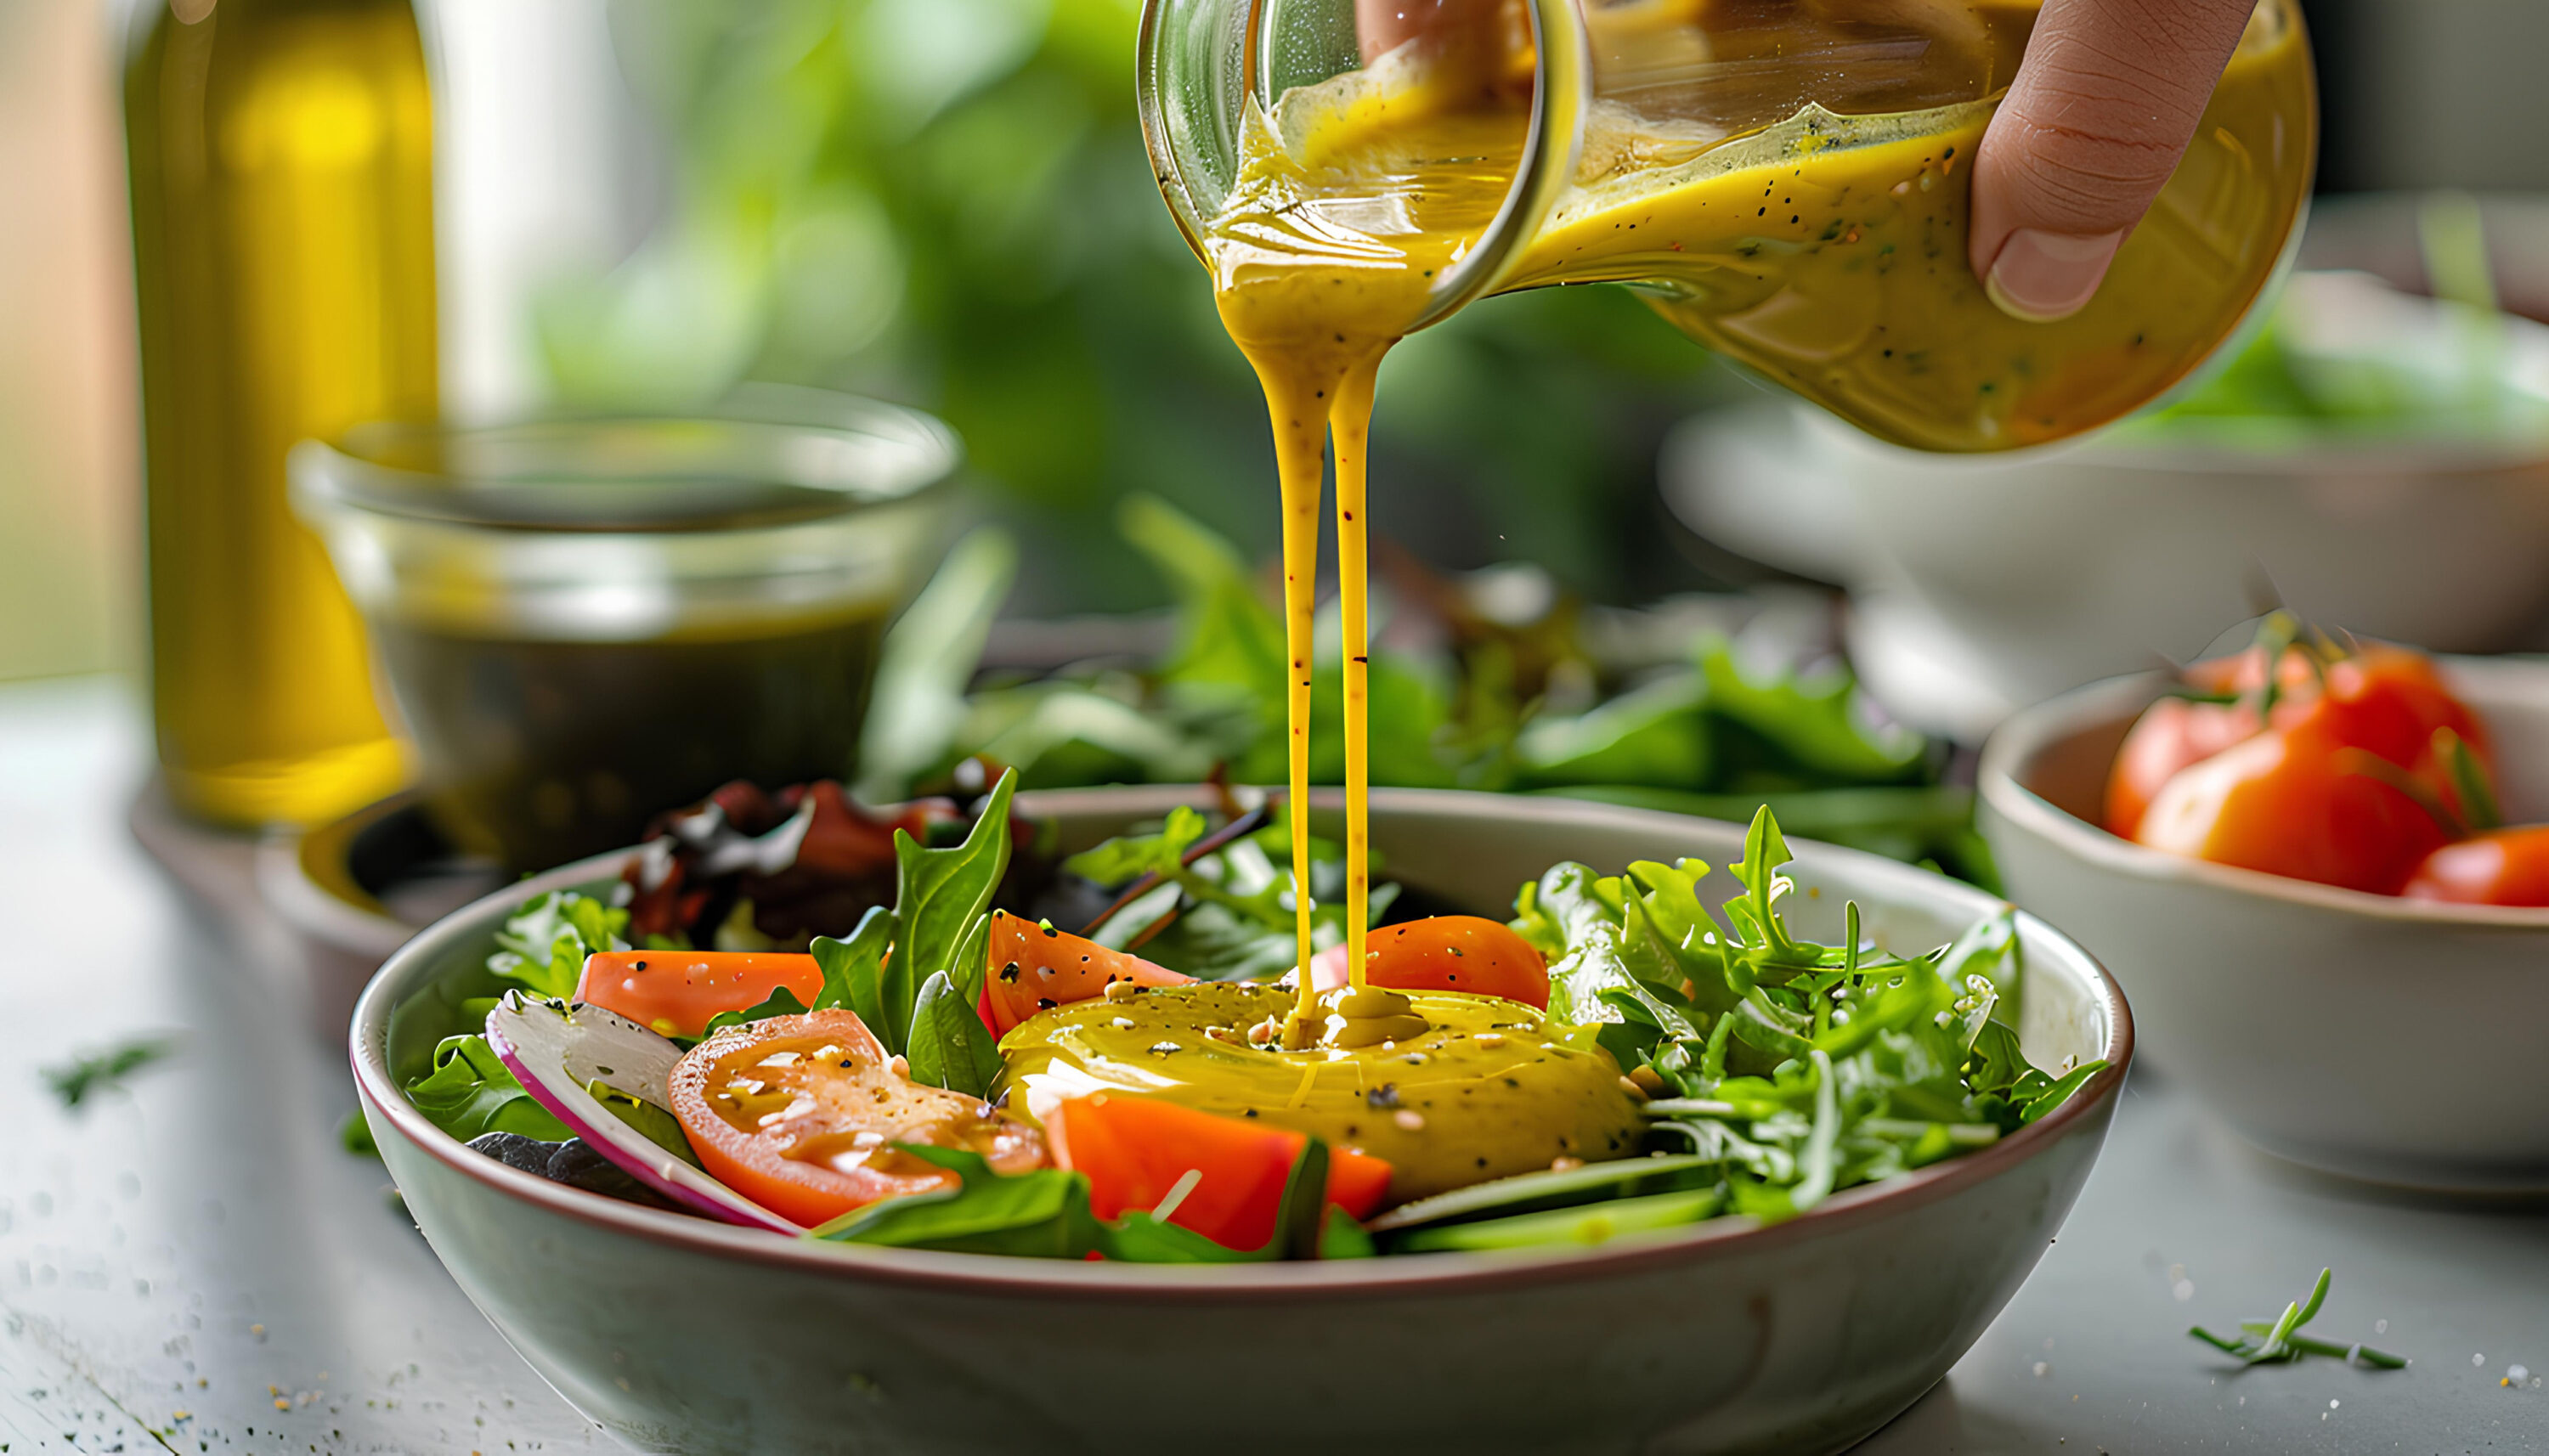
{"x":281,"y":155}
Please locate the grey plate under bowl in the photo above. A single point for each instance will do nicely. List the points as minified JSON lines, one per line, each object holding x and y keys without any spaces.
{"x":683,"y":1335}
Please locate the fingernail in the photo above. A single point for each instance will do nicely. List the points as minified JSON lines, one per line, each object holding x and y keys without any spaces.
{"x":2044,"y":276}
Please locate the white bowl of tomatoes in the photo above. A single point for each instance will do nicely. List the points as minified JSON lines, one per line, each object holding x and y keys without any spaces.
{"x":2296,"y":900}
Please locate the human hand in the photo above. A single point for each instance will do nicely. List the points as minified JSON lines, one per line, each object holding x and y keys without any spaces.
{"x":2102,"y":109}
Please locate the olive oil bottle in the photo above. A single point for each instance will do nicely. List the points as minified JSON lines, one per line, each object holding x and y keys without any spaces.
{"x":281,"y":155}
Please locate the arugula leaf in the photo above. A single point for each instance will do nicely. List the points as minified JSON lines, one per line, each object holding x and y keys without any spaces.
{"x":470,"y":1091}
{"x":950,"y":1046}
{"x":76,"y":1081}
{"x":1804,"y":1068}
{"x":544,"y":944}
{"x":1127,"y":857}
{"x":939,"y":894}
{"x":1233,"y":916}
{"x":2280,"y":1339}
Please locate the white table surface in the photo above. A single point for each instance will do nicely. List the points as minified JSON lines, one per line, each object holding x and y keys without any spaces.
{"x":200,"y":1243}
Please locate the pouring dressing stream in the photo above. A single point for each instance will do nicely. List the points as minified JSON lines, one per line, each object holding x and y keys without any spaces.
{"x":1785,"y":182}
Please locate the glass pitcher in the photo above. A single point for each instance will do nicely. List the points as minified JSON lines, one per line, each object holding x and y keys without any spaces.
{"x":1785,"y":179}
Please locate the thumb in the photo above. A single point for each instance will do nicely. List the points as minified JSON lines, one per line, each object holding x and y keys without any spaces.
{"x":2101,"y":111}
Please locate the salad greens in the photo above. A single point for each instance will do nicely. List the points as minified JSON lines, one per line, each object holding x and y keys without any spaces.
{"x":1223,"y":915}
{"x":542,"y":948}
{"x":1798,"y":1069}
{"x":1790,"y":1069}
{"x":1520,"y":702}
{"x":470,"y":1092}
{"x":1046,"y":1213}
{"x":1776,"y":1071}
{"x":2279,"y":1341}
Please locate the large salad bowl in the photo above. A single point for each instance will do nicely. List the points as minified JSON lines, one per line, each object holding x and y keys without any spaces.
{"x":683,"y":1335}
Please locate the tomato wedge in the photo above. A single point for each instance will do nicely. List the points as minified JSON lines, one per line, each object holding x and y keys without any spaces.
{"x":1446,"y":952}
{"x":1134,"y":1151}
{"x":1034,"y":967}
{"x":676,"y":992}
{"x":796,"y":1112}
{"x":2506,"y":866}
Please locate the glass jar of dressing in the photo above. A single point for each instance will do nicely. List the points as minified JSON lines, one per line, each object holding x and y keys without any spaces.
{"x":1785,"y":179}
{"x":586,"y":622}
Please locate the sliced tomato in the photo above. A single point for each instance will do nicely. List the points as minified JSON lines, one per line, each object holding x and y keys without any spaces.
{"x":1135,"y":1150}
{"x":2508,"y":866}
{"x":799,"y":1112}
{"x":676,"y":992}
{"x":2295,"y":802}
{"x":1034,"y":967}
{"x":1446,"y":952}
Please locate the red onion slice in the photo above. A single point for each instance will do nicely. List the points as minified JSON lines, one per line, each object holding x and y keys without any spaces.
{"x":556,"y":1051}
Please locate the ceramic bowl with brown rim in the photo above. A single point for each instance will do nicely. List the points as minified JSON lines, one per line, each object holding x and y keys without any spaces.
{"x":681,"y":1335}
{"x":2381,"y":1038}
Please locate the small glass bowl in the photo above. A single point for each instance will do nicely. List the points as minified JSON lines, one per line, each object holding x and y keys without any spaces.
{"x":586,"y":623}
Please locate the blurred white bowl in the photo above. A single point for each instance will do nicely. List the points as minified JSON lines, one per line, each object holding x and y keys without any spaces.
{"x":2376,"y":1037}
{"x":1984,"y":583}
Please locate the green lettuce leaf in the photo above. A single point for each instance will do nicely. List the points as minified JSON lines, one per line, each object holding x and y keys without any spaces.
{"x":471,"y":1091}
{"x":544,"y":944}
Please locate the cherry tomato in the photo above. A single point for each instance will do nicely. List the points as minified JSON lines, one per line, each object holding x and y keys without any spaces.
{"x":2296,"y":803}
{"x":1034,"y":967}
{"x":2509,"y":867}
{"x":1134,"y":1150}
{"x":1448,"y":953}
{"x":676,"y":992}
{"x":796,"y":1112}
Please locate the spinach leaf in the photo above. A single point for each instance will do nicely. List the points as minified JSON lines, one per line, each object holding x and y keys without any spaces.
{"x":1656,"y":735}
{"x":1227,"y":637}
{"x":1038,"y":1215}
{"x":918,"y":710}
{"x":854,"y":969}
{"x":471,"y":1091}
{"x":939,"y":894}
{"x":779,"y":1002}
{"x":1045,"y":1213}
{"x":544,"y":944}
{"x":1823,"y":723}
{"x":950,"y":1046}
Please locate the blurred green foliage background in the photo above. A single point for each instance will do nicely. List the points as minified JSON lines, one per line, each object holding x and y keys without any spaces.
{"x":947,"y":202}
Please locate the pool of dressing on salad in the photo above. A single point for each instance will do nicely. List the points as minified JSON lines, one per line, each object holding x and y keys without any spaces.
{"x":1825,"y":251}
